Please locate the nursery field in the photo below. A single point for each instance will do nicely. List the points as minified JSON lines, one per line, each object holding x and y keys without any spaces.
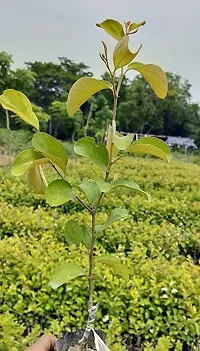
{"x":159,"y":242}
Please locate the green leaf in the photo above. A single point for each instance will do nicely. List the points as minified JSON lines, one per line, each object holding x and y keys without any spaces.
{"x":116,"y":214}
{"x":122,"y":56}
{"x":86,"y":240}
{"x":134,"y":26}
{"x":151,"y":146}
{"x":77,"y":234}
{"x":113,"y":28}
{"x":64,"y":273}
{"x":123,"y":142}
{"x":115,"y":151}
{"x":97,"y":153}
{"x":25,"y":160}
{"x":58,"y":192}
{"x":51,"y":148}
{"x":104,"y":186}
{"x":19,"y":104}
{"x":34,"y":181}
{"x":114,"y":262}
{"x":128,"y":183}
{"x":91,"y":190}
{"x":82,"y":90}
{"x":73,"y":232}
{"x":154,"y":75}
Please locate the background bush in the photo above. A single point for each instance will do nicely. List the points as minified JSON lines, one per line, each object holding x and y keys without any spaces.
{"x":159,"y":242}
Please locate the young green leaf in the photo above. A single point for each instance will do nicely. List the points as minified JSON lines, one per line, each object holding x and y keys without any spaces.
{"x":151,"y":146}
{"x":91,"y":190}
{"x":134,"y":26}
{"x":115,"y":151}
{"x":51,"y":148}
{"x":26,"y":159}
{"x":64,"y":273}
{"x":128,"y":183}
{"x":58,"y":192}
{"x":122,"y":56}
{"x":86,"y":239}
{"x":73,"y":232}
{"x":123,"y":142}
{"x":96,"y":153}
{"x":104,"y":186}
{"x":18,"y":103}
{"x":154,"y":75}
{"x":77,"y":234}
{"x":82,"y":90}
{"x":115,"y":264}
{"x":116,"y":215}
{"x":113,"y":28}
{"x":34,"y":181}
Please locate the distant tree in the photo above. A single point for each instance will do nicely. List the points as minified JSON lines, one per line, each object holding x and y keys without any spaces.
{"x":137,"y":113}
{"x":53,"y":81}
{"x":62,"y":125}
{"x":47,"y":85}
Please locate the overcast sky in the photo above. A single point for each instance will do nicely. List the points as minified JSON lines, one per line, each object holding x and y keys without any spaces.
{"x":46,"y":29}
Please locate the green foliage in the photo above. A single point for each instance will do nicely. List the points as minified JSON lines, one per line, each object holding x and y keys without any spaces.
{"x":47,"y":84}
{"x":154,"y":76}
{"x":25,"y":160}
{"x":151,"y":146}
{"x":19,"y":138}
{"x":116,"y":215}
{"x":35,"y":180}
{"x":42,"y":116}
{"x":112,"y":27}
{"x":96,"y":153}
{"x":82,"y":90}
{"x":122,"y":56}
{"x":158,"y":244}
{"x":51,"y":148}
{"x":64,"y":273}
{"x":76,"y":233}
{"x":91,"y":190}
{"x":114,"y":262}
{"x":134,"y":26}
{"x":58,"y":192}
{"x":128,"y":183}
{"x":18,"y":103}
{"x":122,"y":142}
{"x":47,"y":149}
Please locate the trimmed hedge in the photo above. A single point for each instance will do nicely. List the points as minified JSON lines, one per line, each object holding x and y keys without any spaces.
{"x":160,"y":243}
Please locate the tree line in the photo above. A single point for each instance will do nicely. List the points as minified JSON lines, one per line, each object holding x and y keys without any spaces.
{"x":47,"y":84}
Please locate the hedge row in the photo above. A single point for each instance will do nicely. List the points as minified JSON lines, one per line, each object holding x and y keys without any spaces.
{"x":159,"y":242}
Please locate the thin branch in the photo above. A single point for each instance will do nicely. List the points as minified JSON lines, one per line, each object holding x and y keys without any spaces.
{"x":94,"y":211}
{"x":91,"y":258}
{"x":54,"y":167}
{"x":9,"y":136}
{"x":83,"y":204}
{"x":117,"y":158}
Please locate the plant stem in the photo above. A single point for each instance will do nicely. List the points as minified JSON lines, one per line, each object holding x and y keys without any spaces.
{"x":83,"y":204}
{"x":90,"y":271}
{"x":94,"y":211}
{"x":116,"y":159}
{"x":115,"y":99}
{"x":9,"y":136}
{"x":54,"y":167}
